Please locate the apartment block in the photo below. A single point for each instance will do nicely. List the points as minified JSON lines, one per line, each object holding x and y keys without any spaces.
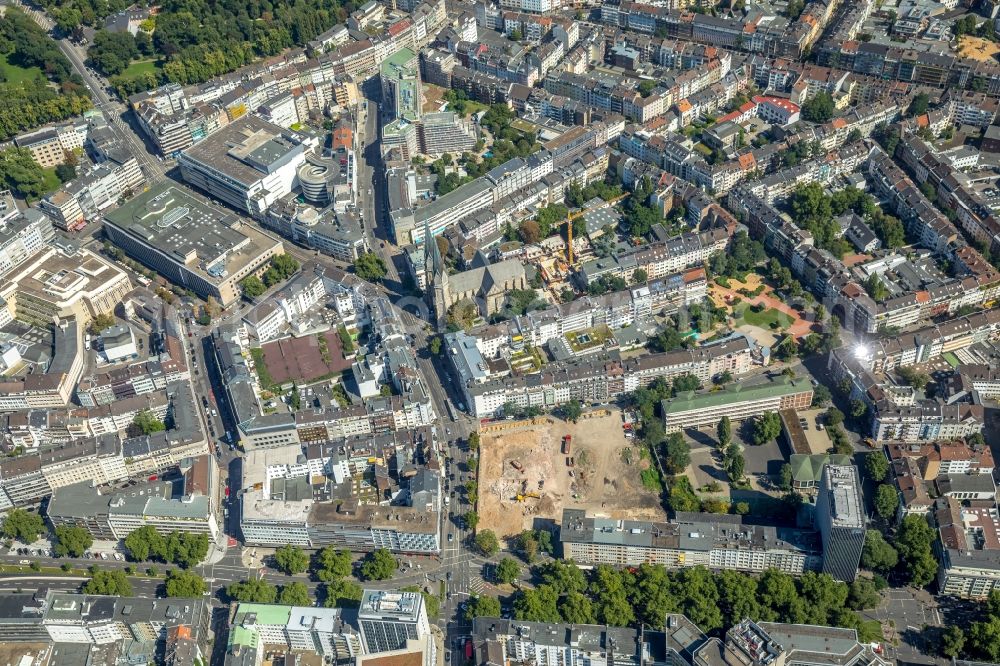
{"x":50,"y":146}
{"x":177,"y":505}
{"x":322,"y":631}
{"x":388,"y":619}
{"x":597,"y":378}
{"x":738,"y":402}
{"x":689,"y":539}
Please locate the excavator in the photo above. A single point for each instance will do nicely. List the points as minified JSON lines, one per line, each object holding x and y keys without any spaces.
{"x":520,"y":497}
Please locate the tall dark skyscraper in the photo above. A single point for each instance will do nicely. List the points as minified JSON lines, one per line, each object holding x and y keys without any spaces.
{"x":840,"y":518}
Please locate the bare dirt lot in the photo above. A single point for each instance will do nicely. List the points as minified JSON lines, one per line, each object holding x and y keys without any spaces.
{"x":605,"y":476}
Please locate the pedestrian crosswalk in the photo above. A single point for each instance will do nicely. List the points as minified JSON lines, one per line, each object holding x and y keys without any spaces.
{"x":477,"y":585}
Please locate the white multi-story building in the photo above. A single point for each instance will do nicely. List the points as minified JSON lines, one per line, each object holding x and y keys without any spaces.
{"x":249,"y":164}
{"x":388,"y":619}
{"x":49,"y":146}
{"x":738,"y":403}
{"x":115,"y":515}
{"x":21,"y":236}
{"x":690,"y":539}
{"x":316,"y":630}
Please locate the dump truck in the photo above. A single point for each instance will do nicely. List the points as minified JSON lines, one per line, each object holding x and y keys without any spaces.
{"x":516,"y":465}
{"x":567,"y":444}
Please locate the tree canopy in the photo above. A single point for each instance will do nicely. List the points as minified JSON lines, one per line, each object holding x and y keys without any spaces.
{"x":295,"y":594}
{"x":72,"y":541}
{"x":181,"y":583}
{"x":819,"y":109}
{"x":184,"y":548}
{"x":878,"y":555}
{"x":252,"y":286}
{"x":112,"y":583}
{"x":482,"y":606}
{"x":111,"y":52}
{"x":31,"y":103}
{"x":291,"y":560}
{"x":378,"y":565}
{"x":254,"y":590}
{"x":332,"y":564}
{"x":487,"y":543}
{"x":23,"y":525}
{"x":201,"y":40}
{"x":876,"y":465}
{"x":20,"y":174}
{"x":742,"y":256}
{"x":813,"y":210}
{"x":508,"y":570}
{"x":369,"y":266}
{"x":886,"y":501}
{"x":766,"y":428}
{"x":676,"y":453}
{"x":914,"y":541}
{"x":342,"y":593}
{"x":148,"y":423}
{"x":714,"y":601}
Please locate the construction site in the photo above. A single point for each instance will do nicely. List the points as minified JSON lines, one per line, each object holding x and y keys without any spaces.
{"x":531,"y":470}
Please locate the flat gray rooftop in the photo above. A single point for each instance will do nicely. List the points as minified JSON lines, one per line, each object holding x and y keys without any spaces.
{"x":192,"y":231}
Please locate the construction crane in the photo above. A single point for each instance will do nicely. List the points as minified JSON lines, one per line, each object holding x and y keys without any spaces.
{"x":569,"y":226}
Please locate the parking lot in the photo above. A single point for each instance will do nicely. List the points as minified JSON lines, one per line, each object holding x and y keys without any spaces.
{"x":46,"y":551}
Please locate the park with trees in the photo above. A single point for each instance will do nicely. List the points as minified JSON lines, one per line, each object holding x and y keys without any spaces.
{"x":45,"y":89}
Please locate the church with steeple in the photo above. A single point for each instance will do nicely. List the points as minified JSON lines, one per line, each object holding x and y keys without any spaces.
{"x":485,"y":286}
{"x":437,"y":280}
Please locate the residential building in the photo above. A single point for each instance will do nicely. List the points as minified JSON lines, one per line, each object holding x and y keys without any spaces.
{"x":400,"y":79}
{"x":970,"y":574}
{"x":278,"y":505}
{"x":54,"y":283}
{"x":738,"y":402}
{"x":322,"y":631}
{"x":689,"y":539}
{"x":387,"y":619}
{"x":337,"y":234}
{"x":596,"y":377}
{"x":182,"y":505}
{"x":498,"y":641}
{"x":22,"y":235}
{"x":50,"y":146}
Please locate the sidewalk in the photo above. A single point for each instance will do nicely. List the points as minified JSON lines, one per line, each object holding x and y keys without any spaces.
{"x":217,"y":551}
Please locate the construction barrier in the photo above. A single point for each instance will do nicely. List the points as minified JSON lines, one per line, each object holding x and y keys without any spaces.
{"x":501,"y":426}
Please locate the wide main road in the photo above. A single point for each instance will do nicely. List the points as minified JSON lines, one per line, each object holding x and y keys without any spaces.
{"x":112,"y":108}
{"x":372,"y":188}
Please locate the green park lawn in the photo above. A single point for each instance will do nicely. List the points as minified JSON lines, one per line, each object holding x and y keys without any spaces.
{"x":768,"y":319}
{"x":52,"y":181}
{"x":140,"y":67}
{"x":15,"y":74}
